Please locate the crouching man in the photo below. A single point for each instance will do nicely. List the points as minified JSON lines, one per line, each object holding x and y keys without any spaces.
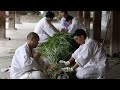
{"x":90,"y":58}
{"x":26,"y":63}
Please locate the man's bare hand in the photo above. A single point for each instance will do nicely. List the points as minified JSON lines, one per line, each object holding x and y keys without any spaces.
{"x":64,"y":30}
{"x":36,"y":56}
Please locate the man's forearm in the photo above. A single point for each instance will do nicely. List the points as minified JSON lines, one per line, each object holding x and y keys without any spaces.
{"x":55,"y":30}
{"x":75,"y":66}
{"x":71,"y":59}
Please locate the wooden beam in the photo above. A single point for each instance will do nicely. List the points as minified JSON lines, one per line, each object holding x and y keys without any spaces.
{"x":2,"y":24}
{"x":97,"y":25}
{"x":17,"y":17}
{"x":115,"y":33}
{"x":91,"y":19}
{"x":80,"y":16}
{"x":12,"y":20}
{"x":87,"y":21}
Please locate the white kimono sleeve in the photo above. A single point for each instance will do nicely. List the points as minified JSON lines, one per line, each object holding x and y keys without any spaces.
{"x":49,"y":29}
{"x":63,"y":23}
{"x":85,"y":55}
{"x":26,"y":62}
{"x":76,"y":53}
{"x":72,"y":28}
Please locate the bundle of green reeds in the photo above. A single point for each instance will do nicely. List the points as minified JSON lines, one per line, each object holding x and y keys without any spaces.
{"x":58,"y":47}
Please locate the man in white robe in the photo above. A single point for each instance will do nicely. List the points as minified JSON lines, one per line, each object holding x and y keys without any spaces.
{"x":26,"y":63}
{"x":63,"y":22}
{"x":44,"y":27}
{"x":90,"y":58}
{"x":72,"y":24}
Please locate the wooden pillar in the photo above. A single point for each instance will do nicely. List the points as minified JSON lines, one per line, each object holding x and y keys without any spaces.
{"x":80,"y":16}
{"x":17,"y":18}
{"x":97,"y":25}
{"x":115,"y":33}
{"x":12,"y":20}
{"x":7,"y":16}
{"x":2,"y":24}
{"x":87,"y":21}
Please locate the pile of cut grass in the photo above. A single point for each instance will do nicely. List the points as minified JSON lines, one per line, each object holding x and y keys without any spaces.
{"x":58,"y":47}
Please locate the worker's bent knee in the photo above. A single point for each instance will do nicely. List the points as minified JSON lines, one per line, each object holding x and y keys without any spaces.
{"x":87,"y":76}
{"x":84,"y":74}
{"x":24,"y":76}
{"x":79,"y":76}
{"x":37,"y":75}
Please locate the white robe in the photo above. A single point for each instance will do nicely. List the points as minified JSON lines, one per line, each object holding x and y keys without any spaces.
{"x":23,"y":65}
{"x":44,"y":29}
{"x":92,"y":60}
{"x":63,"y":23}
{"x":72,"y":27}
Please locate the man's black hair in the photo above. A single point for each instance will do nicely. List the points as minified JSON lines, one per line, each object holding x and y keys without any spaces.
{"x":80,"y":32}
{"x":64,"y":12}
{"x":50,"y":14}
{"x":69,"y":18}
{"x":32,"y":35}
